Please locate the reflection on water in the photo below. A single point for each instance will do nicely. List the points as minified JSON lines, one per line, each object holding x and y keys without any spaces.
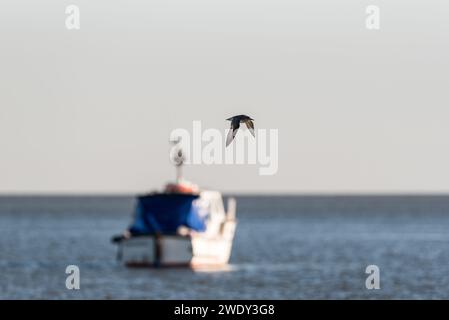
{"x":225,"y":268}
{"x":291,"y":247}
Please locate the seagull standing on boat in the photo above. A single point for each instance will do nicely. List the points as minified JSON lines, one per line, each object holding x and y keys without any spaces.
{"x":235,"y":125}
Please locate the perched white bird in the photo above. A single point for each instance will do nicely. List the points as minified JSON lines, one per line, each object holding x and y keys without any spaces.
{"x":235,"y":125}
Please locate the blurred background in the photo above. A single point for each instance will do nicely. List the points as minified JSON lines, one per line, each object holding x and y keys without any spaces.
{"x":85,"y":118}
{"x":91,"y":110}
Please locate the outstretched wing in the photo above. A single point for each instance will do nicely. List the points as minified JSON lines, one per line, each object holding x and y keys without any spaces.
{"x":250,"y":126}
{"x":232,"y":132}
{"x":231,"y":136}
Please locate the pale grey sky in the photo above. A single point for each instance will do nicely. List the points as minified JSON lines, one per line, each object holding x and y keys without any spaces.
{"x":357,"y":110}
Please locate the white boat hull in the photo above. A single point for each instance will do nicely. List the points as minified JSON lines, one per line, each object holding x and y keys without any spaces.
{"x":194,"y":250}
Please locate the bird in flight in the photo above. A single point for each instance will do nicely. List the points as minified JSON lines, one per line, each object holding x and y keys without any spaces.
{"x":235,"y":125}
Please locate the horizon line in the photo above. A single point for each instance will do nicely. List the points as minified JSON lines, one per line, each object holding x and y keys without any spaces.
{"x":237,"y":193}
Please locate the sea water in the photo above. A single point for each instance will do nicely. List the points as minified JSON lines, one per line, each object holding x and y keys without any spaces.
{"x":286,"y":247}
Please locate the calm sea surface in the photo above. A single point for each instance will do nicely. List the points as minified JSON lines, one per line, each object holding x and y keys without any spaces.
{"x":285,"y":248}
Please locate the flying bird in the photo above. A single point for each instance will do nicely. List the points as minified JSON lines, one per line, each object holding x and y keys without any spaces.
{"x":235,"y":125}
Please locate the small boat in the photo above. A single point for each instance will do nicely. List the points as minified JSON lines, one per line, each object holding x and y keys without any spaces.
{"x":182,"y":225}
